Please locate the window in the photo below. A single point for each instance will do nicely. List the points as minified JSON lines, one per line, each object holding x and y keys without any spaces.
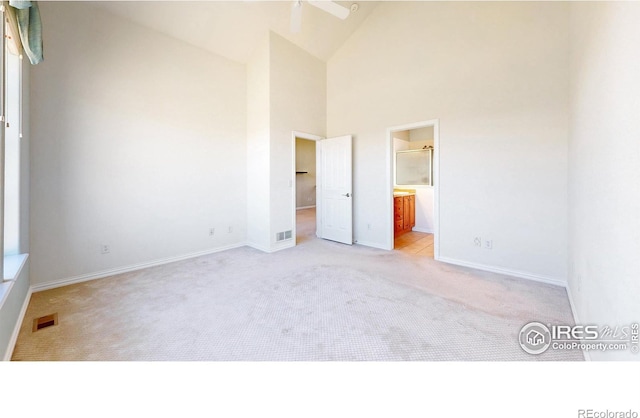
{"x":12,"y":155}
{"x":20,"y":21}
{"x":11,"y":133}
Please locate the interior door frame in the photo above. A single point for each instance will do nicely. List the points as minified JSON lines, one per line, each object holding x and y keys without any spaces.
{"x":310,"y":137}
{"x":436,"y":180}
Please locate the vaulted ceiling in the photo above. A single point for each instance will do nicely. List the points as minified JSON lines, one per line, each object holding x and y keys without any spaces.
{"x":233,"y":28}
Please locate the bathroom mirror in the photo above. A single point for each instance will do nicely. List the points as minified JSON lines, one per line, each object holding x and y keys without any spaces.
{"x":414,"y":167}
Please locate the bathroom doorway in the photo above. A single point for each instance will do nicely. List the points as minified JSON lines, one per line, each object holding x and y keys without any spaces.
{"x":413,"y":195}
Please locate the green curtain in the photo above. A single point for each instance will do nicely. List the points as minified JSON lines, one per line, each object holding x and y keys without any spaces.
{"x":30,"y":27}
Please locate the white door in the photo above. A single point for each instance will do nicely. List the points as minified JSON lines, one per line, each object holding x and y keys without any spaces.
{"x":335,"y":193}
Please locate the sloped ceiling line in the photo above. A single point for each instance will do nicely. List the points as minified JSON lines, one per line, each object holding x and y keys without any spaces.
{"x":232,"y":28}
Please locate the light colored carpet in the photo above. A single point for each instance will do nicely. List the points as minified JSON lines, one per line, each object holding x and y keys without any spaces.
{"x":318,"y":301}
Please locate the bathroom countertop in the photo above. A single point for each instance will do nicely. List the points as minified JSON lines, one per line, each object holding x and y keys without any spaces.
{"x":401,"y":193}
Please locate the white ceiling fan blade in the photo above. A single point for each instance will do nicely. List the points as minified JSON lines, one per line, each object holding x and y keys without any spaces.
{"x":296,"y":16}
{"x":331,"y":7}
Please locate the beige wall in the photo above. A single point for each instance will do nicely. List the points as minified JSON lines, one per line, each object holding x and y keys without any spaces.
{"x":421,"y":134}
{"x":604,"y":175}
{"x":402,"y":135}
{"x":305,"y":183}
{"x":287,"y":93}
{"x":421,"y":137}
{"x":258,"y":147}
{"x":298,"y":103}
{"x":135,"y":148}
{"x":496,"y":77}
{"x":138,"y":142}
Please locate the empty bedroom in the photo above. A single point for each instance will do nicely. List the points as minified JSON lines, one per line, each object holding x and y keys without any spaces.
{"x":226,"y":181}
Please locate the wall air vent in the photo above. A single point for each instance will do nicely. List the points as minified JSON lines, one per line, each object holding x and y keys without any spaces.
{"x":284,"y":235}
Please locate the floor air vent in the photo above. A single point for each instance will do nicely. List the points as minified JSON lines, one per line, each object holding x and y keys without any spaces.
{"x":45,"y":322}
{"x":282,"y":236}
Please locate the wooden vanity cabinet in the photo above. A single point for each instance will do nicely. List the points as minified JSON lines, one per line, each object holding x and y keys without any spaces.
{"x":398,"y":215}
{"x":404,"y":212}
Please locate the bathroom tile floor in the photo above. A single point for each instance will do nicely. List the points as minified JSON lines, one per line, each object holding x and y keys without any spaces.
{"x":418,"y":243}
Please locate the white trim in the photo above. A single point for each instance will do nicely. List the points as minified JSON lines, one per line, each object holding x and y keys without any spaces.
{"x":423,"y":230}
{"x":277,"y":247}
{"x":13,"y":265}
{"x":5,"y":288}
{"x":573,"y":306}
{"x":576,"y":319}
{"x":283,"y":245}
{"x":3,"y":120}
{"x":258,"y":247}
{"x":306,"y":207}
{"x":508,"y":272}
{"x":371,"y":244}
{"x":436,"y":188}
{"x":20,"y":95}
{"x":16,"y":329}
{"x":106,"y":273}
{"x":436,"y":180}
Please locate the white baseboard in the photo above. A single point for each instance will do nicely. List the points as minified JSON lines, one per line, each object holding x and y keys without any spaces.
{"x":306,"y":207}
{"x":16,"y":328}
{"x":291,"y":243}
{"x":424,"y":230}
{"x":527,"y":276}
{"x":372,"y":244}
{"x":258,"y":247}
{"x":508,"y":272}
{"x":573,"y":306}
{"x":283,"y":245}
{"x":576,"y":319}
{"x":127,"y":269}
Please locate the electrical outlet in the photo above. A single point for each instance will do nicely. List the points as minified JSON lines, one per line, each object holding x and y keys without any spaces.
{"x":488,"y":244}
{"x":212,"y":231}
{"x":369,"y":227}
{"x":477,"y":241}
{"x":104,"y":249}
{"x":230,"y":229}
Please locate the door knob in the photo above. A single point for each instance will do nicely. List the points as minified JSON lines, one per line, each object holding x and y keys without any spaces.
{"x":346,"y":195}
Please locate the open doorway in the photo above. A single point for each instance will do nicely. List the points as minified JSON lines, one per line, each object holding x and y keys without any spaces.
{"x":332,"y":189}
{"x":304,"y":187}
{"x":413,"y":173}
